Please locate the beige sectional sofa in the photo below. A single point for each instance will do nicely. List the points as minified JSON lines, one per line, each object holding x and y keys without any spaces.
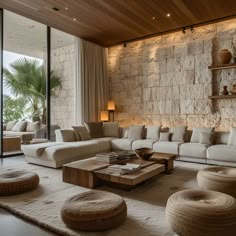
{"x":69,"y":147}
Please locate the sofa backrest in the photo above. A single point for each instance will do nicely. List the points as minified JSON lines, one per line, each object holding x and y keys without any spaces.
{"x":222,"y":137}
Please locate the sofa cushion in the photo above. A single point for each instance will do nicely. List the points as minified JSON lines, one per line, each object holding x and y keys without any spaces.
{"x":68,"y":135}
{"x":19,"y":126}
{"x":122,"y":144}
{"x":178,"y":133}
{"x":196,"y":150}
{"x":136,"y":132}
{"x":222,"y":153}
{"x":167,"y":147}
{"x":206,"y":138}
{"x":10,"y":125}
{"x":32,"y":126}
{"x":153,"y":132}
{"x":95,"y":129}
{"x":142,"y":143}
{"x":195,"y":138}
{"x":222,"y":137}
{"x":164,"y":137}
{"x":232,"y":137}
{"x":81,"y":133}
{"x":111,"y":129}
{"x":25,"y":136}
{"x":125,"y":132}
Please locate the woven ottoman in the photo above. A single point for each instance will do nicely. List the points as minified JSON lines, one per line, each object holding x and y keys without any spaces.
{"x":15,"y":182}
{"x":201,"y":213}
{"x":220,"y":179}
{"x":94,"y":211}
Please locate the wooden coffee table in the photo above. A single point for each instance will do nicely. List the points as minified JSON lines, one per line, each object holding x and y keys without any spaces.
{"x":91,"y":173}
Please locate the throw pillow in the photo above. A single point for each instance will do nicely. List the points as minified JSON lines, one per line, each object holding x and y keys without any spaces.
{"x":19,"y":126}
{"x":232,"y":137}
{"x":81,"y":133}
{"x":111,"y":129}
{"x":206,"y":138}
{"x":68,"y":135}
{"x":153,"y":132}
{"x":164,"y":137}
{"x":95,"y":129}
{"x":195,"y":138}
{"x":32,"y":126}
{"x":10,"y":125}
{"x":178,"y":133}
{"x":125,"y":132}
{"x":136,"y":132}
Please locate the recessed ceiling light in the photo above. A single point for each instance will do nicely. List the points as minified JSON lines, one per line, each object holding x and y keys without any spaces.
{"x":74,"y":19}
{"x":168,"y":15}
{"x":153,"y":17}
{"x":66,"y":8}
{"x":31,"y":26}
{"x":56,"y":9}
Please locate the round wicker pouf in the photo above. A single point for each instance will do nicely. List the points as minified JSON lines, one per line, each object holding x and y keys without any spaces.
{"x":15,"y":182}
{"x":201,"y":213}
{"x":220,"y":179}
{"x":94,"y":211}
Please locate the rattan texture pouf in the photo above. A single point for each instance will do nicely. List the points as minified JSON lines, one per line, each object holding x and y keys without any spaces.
{"x":94,"y":211}
{"x":14,"y":182}
{"x":220,"y":179}
{"x":202,"y":213}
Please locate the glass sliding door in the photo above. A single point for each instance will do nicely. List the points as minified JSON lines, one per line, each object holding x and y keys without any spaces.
{"x":24,"y":81}
{"x":1,"y":82}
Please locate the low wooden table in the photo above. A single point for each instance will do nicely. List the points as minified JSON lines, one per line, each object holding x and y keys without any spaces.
{"x":11,"y":143}
{"x":90,"y":173}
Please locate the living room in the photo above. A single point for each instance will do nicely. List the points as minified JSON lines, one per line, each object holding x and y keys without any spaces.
{"x":138,"y":137}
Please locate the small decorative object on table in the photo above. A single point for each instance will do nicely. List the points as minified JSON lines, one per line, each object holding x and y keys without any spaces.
{"x":224,"y":56}
{"x":233,"y":91}
{"x":225,"y":91}
{"x":144,"y":153}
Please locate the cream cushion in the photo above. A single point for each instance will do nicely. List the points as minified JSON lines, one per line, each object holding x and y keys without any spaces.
{"x":195,"y":150}
{"x":153,"y":132}
{"x":10,"y":125}
{"x":122,"y":144}
{"x":195,"y":138}
{"x":201,"y":213}
{"x":136,"y":132}
{"x":94,"y":211}
{"x":68,"y":135}
{"x":111,"y":129}
{"x":220,"y":179}
{"x":167,"y":147}
{"x":32,"y":126}
{"x":19,"y":126}
{"x":178,"y":133}
{"x":81,"y":133}
{"x":164,"y":137}
{"x":232,"y":137}
{"x":148,"y":143}
{"x":206,"y":138}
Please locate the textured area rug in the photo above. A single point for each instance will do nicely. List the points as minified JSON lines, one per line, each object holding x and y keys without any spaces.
{"x":146,"y":203}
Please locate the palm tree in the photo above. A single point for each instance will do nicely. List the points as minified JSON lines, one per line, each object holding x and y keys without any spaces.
{"x":27,"y":79}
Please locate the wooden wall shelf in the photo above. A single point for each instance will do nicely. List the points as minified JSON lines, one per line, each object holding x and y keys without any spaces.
{"x":223,"y":66}
{"x":222,"y":96}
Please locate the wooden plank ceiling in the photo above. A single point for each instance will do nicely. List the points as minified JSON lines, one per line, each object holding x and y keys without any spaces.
{"x":108,"y":22}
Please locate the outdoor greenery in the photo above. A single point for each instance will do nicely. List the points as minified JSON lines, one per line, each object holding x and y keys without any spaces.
{"x":27,"y":81}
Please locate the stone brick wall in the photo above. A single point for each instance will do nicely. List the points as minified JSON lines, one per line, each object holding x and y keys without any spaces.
{"x":63,"y":103}
{"x":165,"y":79}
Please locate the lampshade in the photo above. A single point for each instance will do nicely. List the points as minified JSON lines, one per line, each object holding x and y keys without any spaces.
{"x":111,"y":105}
{"x":104,"y":116}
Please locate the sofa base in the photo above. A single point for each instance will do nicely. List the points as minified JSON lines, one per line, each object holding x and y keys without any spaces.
{"x":193,"y":159}
{"x":221,"y":163}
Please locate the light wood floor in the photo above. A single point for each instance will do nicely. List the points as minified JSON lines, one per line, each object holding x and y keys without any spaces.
{"x":11,"y":225}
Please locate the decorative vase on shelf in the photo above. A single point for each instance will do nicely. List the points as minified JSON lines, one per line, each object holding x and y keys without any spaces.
{"x":233,"y":91}
{"x":225,"y":91}
{"x":225,"y":56}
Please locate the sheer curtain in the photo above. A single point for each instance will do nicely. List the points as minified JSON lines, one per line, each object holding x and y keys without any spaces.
{"x":91,"y":81}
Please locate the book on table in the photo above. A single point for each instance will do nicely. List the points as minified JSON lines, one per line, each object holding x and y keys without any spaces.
{"x":111,"y":157}
{"x":125,"y":169}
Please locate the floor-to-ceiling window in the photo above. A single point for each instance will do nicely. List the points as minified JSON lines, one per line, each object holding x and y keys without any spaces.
{"x":24,"y":79}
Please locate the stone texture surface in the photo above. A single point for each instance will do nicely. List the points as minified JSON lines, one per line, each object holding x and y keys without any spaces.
{"x":165,"y":79}
{"x":63,"y":103}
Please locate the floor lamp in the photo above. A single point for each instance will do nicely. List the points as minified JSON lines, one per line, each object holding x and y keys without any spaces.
{"x":111,"y":110}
